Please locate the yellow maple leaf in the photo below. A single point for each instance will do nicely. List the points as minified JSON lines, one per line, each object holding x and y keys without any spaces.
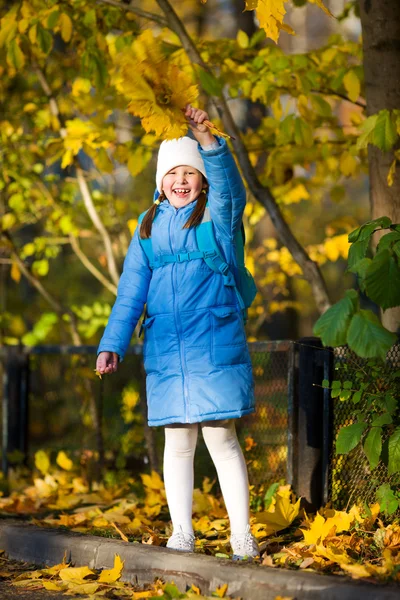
{"x":111,"y":575}
{"x":321,"y":528}
{"x":157,"y":89}
{"x":221,"y":591}
{"x":153,"y":481}
{"x":63,"y":461}
{"x":75,"y":574}
{"x":42,"y":461}
{"x":50,"y":585}
{"x":270,"y":14}
{"x":283,"y":515}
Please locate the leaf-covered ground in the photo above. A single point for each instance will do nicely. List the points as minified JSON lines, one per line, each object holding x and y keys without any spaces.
{"x":357,"y":542}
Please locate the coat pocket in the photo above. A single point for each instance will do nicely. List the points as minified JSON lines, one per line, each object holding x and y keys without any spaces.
{"x":228,"y":337}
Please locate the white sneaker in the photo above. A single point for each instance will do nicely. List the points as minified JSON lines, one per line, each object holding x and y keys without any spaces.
{"x":244,"y":545}
{"x":181,"y":541}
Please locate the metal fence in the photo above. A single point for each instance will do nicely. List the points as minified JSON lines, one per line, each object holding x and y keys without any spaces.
{"x":51,"y":399}
{"x":50,"y":395}
{"x":351,"y":478}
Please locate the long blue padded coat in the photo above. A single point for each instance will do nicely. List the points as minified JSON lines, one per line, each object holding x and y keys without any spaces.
{"x":195,"y":350}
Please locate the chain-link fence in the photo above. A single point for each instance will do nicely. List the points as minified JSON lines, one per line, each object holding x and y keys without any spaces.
{"x":53,"y":399}
{"x":65,"y":399}
{"x":351,"y":478}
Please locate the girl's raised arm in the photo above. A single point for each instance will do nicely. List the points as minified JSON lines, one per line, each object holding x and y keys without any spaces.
{"x":132,"y":292}
{"x":227,"y":194}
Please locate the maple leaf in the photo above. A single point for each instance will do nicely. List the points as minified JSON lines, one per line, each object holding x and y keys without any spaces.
{"x":284,"y":513}
{"x":111,"y":575}
{"x":156,"y":88}
{"x":270,"y":13}
{"x":321,"y":528}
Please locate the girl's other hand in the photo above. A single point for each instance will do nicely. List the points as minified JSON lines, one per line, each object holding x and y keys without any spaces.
{"x":107,"y":362}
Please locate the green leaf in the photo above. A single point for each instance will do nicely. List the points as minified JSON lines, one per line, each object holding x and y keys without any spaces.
{"x":349,"y":437}
{"x":52,"y":19}
{"x":388,"y":240}
{"x":394,"y":452}
{"x":357,"y":252}
{"x":368,"y":228}
{"x":357,"y":397}
{"x":44,"y":38}
{"x":325,"y":383}
{"x":367,"y":337}
{"x":345,"y":395}
{"x":269,"y":494}
{"x":332,"y":326}
{"x":348,"y":385}
{"x":373,"y":446}
{"x":390,"y":403}
{"x":382,"y":281}
{"x":15,"y":56}
{"x":209,"y":83}
{"x":385,"y":134}
{"x":367,"y":132}
{"x":384,"y":419}
{"x":303,"y":134}
{"x":387,"y":500}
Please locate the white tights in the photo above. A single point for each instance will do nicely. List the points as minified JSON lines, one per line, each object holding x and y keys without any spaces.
{"x":222,"y":443}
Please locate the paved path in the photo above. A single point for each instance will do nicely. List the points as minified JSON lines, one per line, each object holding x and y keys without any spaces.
{"x":144,"y":563}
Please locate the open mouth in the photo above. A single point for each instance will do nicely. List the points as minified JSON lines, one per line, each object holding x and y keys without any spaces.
{"x":181,"y":192}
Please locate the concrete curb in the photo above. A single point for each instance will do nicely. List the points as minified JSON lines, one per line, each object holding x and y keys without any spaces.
{"x":143,"y":564}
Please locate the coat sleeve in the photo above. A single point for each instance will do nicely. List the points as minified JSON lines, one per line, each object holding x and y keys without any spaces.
{"x":132,"y":292}
{"x":227,"y":194}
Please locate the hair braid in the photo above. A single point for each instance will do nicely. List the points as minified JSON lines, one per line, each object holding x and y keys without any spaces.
{"x":146,"y":225}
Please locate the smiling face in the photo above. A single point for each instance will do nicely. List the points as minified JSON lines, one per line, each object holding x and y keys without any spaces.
{"x":181,"y":185}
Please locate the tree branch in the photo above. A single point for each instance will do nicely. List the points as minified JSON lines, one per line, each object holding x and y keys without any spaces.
{"x":137,"y":11}
{"x":73,"y":240}
{"x":90,"y":266}
{"x":310,"y":269}
{"x":34,"y":281}
{"x":86,"y":195}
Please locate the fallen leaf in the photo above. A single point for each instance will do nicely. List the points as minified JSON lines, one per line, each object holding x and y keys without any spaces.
{"x":111,"y":575}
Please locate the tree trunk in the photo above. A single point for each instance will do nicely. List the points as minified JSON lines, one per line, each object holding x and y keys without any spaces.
{"x":380,"y":21}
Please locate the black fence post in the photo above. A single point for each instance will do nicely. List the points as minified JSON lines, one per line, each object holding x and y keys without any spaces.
{"x":15,"y":405}
{"x":312,"y":417}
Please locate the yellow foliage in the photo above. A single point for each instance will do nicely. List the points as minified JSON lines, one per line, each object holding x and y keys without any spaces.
{"x":352,"y":84}
{"x":156,"y":88}
{"x":63,"y":461}
{"x":284,"y":512}
{"x":337,"y":247}
{"x":321,"y":528}
{"x":75,"y":574}
{"x":111,"y":575}
{"x":270,"y":13}
{"x":42,"y":461}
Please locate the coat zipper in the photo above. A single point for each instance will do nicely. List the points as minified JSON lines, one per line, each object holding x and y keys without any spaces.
{"x":179,"y":328}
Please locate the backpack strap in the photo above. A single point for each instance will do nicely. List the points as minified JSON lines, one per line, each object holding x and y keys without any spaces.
{"x":207,"y":243}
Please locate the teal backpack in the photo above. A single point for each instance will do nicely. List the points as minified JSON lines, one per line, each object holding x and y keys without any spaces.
{"x":241,"y":280}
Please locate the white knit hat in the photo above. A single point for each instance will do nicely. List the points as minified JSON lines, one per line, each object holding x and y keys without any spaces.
{"x":173,"y":153}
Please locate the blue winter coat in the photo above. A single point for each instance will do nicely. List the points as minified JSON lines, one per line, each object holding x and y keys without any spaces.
{"x":195,"y":351}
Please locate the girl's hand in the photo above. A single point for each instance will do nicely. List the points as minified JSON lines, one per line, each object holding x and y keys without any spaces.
{"x":195,"y":117}
{"x":107,"y":362}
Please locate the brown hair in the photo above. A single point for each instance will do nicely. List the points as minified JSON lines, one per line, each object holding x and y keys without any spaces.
{"x":194,"y":219}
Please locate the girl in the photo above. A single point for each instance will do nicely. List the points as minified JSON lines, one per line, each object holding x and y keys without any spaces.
{"x":195,"y":351}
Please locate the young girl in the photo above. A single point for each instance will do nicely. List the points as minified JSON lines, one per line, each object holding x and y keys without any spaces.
{"x":195,"y":351}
